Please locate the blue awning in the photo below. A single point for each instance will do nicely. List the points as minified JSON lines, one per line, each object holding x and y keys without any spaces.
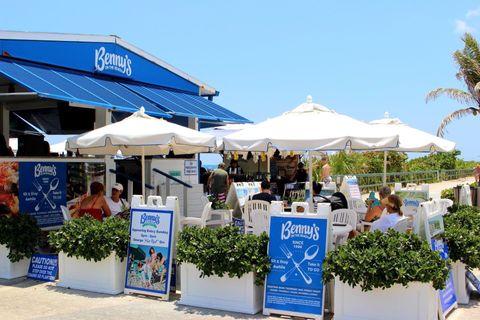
{"x":72,"y":86}
{"x":184,"y":104}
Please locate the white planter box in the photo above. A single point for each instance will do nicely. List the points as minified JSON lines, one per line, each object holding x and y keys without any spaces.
{"x":229,"y":294}
{"x":105,"y":276}
{"x":11,"y":270}
{"x":418,"y":301}
{"x":460,"y":283}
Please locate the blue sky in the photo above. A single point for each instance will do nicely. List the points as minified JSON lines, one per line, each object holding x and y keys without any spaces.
{"x":360,"y":58}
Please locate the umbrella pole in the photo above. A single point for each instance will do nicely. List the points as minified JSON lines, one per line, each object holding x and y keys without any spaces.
{"x":384,"y":168}
{"x":143,"y":173}
{"x":310,"y":182}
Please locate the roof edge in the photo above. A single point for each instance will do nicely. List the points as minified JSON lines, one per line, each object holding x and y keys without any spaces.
{"x":205,"y":89}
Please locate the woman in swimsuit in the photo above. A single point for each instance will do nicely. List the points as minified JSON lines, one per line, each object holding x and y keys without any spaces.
{"x":95,"y":204}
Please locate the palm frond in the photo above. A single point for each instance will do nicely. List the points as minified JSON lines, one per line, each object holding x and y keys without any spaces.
{"x":471,"y":47}
{"x":455,"y":94}
{"x":454,"y":116}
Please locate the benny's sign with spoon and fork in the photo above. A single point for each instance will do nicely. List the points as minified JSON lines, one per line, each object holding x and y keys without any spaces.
{"x":297,"y":247}
{"x":42,"y":190}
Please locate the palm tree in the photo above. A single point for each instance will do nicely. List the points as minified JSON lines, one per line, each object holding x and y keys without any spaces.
{"x":468,"y":61}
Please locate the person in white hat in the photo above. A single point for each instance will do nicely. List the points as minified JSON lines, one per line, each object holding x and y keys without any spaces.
{"x":117,"y":205}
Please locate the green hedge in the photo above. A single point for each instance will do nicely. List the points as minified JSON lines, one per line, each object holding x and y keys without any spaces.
{"x":380,"y":260}
{"x":91,"y":239}
{"x":224,"y":251}
{"x":462,"y":234}
{"x":20,"y":234}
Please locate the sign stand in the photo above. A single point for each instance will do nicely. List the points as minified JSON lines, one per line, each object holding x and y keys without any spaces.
{"x":434,"y":230}
{"x":298,"y":245}
{"x":149,"y":259}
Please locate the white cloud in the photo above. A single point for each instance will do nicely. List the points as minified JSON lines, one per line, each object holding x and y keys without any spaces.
{"x":462,"y":27}
{"x":473,"y":13}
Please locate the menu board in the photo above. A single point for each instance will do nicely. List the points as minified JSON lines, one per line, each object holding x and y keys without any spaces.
{"x":42,"y":190}
{"x":297,"y":248}
{"x":350,"y":187}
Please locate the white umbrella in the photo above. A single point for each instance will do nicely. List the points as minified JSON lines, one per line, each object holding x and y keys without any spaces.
{"x":140,"y":134}
{"x":309,"y":127}
{"x":410,"y":139}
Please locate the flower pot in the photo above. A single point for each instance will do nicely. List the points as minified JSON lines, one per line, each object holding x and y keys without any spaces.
{"x":11,"y":270}
{"x":105,"y":276}
{"x":417,"y":301}
{"x":460,"y":282}
{"x":229,"y":294}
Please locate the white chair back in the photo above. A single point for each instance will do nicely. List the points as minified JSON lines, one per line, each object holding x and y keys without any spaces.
{"x":276,"y":207}
{"x":401,"y":225}
{"x":260,"y":221}
{"x":297,"y":205}
{"x":345,"y":216}
{"x":250,"y":207}
{"x":66,"y":213}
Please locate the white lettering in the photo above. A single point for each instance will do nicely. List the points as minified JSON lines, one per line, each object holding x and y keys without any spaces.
{"x":290,"y":230}
{"x":45,"y":170}
{"x":110,"y":61}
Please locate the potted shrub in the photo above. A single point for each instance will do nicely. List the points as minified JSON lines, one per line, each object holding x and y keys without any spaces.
{"x":91,"y":254}
{"x":385,"y":276}
{"x":19,"y":236}
{"x":462,"y":234}
{"x":222,"y":269}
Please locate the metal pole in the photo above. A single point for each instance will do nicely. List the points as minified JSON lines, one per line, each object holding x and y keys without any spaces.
{"x":310,"y":182}
{"x":384,"y":168}
{"x":143,"y":172}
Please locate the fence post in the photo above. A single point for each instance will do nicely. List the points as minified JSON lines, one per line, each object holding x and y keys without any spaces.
{"x":438,"y":175}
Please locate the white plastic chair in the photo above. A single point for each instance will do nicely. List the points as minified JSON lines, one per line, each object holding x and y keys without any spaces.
{"x":258,"y":207}
{"x":66,"y":213}
{"x":260,"y":221}
{"x":343,"y":216}
{"x":401,"y":225}
{"x":205,"y":219}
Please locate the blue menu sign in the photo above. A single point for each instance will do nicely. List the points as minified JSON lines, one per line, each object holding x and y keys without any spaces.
{"x":42,"y":190}
{"x":297,"y":249}
{"x":448,"y":299}
{"x":43,"y":267}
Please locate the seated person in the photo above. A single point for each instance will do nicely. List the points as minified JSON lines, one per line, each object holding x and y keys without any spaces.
{"x":116,"y":204}
{"x":265,"y":194}
{"x":95,"y":204}
{"x":375,"y":212}
{"x":393,"y":204}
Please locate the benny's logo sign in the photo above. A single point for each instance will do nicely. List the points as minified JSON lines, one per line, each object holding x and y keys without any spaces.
{"x":105,"y":61}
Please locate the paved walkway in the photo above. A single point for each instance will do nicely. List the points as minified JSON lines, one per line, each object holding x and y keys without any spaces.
{"x":29,"y":299}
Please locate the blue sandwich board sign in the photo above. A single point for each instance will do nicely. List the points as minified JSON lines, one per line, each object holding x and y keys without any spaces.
{"x":297,"y":248}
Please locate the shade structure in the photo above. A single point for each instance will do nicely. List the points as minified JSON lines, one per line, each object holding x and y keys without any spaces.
{"x":309,"y":127}
{"x":221,"y":131}
{"x":141,"y":135}
{"x":410,"y":139}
